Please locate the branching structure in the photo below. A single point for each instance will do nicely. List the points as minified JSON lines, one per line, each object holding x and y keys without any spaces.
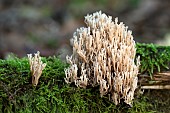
{"x":104,"y":54}
{"x":36,"y":67}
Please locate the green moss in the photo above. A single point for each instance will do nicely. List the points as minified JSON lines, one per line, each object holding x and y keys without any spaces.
{"x":53,"y":95}
{"x":153,"y":58}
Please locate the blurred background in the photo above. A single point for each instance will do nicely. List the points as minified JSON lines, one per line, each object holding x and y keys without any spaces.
{"x":47,"y":25}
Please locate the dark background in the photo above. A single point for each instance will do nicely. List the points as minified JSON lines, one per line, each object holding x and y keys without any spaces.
{"x":47,"y":25}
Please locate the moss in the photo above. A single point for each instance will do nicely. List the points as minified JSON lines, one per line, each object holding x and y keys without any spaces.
{"x":159,"y":99}
{"x":153,"y":58}
{"x":53,"y":95}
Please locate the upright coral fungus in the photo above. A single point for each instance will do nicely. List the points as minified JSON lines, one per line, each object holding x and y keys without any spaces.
{"x":104,"y":55}
{"x":36,"y":67}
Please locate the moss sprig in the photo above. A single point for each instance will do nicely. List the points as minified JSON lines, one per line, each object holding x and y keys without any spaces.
{"x":153,"y":58}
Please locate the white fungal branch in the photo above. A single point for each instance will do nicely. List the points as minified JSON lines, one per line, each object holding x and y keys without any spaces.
{"x":104,"y":55}
{"x":36,"y":67}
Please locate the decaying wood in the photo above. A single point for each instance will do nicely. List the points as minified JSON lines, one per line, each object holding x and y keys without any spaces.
{"x":158,"y":81}
{"x":156,"y":87}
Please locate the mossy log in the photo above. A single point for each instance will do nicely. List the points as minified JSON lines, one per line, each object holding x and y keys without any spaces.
{"x":52,"y":94}
{"x":155,"y":66}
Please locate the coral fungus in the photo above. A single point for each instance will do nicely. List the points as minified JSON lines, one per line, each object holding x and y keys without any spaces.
{"x":36,"y":67}
{"x":104,"y":54}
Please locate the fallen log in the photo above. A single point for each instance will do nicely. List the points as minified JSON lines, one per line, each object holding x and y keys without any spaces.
{"x":155,"y":66}
{"x":156,"y":87}
{"x":159,"y":80}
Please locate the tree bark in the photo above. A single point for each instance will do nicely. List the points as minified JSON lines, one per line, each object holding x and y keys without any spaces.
{"x":157,"y":81}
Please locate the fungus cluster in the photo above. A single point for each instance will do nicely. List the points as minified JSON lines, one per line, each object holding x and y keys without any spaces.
{"x":36,"y":67}
{"x":104,"y":55}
